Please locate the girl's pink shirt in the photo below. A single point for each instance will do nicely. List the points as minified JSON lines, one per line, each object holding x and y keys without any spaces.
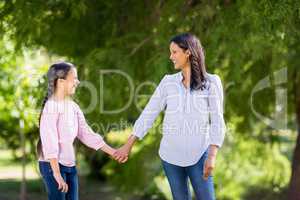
{"x":62,"y":122}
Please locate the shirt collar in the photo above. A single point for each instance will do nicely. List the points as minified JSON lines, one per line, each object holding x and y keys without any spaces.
{"x":179,"y":76}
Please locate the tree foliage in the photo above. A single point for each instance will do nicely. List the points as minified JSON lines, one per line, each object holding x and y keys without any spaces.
{"x":245,"y":42}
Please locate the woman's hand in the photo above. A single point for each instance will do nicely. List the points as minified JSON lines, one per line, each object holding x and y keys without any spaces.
{"x":209,"y":166}
{"x":62,"y":185}
{"x":210,"y":161}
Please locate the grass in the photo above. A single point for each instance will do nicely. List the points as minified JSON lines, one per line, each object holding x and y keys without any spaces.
{"x":10,"y":183}
{"x":89,"y":190}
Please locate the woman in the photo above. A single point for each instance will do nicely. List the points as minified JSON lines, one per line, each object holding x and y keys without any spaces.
{"x":61,"y":121}
{"x":193,"y":126}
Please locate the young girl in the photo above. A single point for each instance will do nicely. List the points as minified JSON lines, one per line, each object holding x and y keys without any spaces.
{"x":61,"y":121}
{"x":193,"y":126}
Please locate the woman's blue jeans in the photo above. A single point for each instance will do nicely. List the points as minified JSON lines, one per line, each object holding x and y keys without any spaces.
{"x":178,"y":180}
{"x":69,"y":174}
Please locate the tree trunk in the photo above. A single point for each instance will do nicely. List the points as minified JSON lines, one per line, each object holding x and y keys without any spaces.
{"x":23,"y":195}
{"x":294,"y":189}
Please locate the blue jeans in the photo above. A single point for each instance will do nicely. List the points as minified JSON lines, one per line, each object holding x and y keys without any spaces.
{"x":69,"y":174}
{"x":178,"y":181}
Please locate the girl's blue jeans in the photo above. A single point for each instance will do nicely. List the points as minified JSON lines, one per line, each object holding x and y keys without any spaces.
{"x":69,"y":174}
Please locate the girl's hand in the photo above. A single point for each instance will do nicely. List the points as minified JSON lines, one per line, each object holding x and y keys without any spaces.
{"x":62,"y":185}
{"x":121,"y":155}
{"x":209,"y":166}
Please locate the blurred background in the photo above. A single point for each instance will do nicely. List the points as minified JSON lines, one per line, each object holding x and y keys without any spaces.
{"x":121,"y":50}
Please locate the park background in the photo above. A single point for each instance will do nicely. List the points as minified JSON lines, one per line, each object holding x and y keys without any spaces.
{"x":253,"y":45}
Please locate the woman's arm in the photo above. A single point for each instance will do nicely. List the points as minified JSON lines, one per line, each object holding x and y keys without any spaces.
{"x":154,"y":106}
{"x":217,"y":125}
{"x":145,"y":121}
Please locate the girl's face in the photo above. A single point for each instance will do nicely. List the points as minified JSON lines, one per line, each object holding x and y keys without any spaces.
{"x":179,"y":56}
{"x":71,"y":82}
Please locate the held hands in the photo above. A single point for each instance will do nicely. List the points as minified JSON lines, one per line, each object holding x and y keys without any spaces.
{"x":122,"y":153}
{"x":62,"y":185}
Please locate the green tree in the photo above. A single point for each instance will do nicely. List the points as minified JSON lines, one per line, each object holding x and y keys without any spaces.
{"x":245,"y":42}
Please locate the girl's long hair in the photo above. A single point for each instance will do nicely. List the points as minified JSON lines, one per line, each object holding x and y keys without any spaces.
{"x":187,"y":41}
{"x":56,"y":71}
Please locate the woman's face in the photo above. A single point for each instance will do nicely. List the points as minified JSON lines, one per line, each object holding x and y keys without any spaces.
{"x":178,"y":56}
{"x":71,"y":82}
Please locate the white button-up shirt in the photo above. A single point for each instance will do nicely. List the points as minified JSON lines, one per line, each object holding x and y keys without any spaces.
{"x":193,"y":118}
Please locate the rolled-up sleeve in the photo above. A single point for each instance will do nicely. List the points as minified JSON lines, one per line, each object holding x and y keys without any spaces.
{"x":86,"y":135}
{"x":155,"y":105}
{"x":217,"y":124}
{"x":49,"y":131}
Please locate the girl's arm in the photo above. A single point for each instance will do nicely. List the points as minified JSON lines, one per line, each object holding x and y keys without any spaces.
{"x":91,"y":139}
{"x":49,"y":139}
{"x":108,"y":149}
{"x":48,"y":131}
{"x":62,"y":185}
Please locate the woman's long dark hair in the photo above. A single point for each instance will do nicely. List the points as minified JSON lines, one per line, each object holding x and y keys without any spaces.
{"x":187,"y":41}
{"x":56,"y":71}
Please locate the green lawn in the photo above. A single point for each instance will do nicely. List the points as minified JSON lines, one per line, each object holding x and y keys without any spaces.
{"x":10,"y":181}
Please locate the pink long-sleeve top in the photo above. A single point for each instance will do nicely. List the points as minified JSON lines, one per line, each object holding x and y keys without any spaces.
{"x":62,"y":122}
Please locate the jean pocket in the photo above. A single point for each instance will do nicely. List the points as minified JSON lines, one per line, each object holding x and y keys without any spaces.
{"x":45,"y":168}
